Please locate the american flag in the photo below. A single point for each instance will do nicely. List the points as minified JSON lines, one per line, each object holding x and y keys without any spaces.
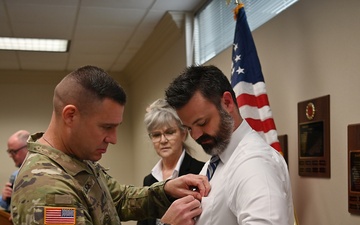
{"x":59,"y":215}
{"x":248,"y":82}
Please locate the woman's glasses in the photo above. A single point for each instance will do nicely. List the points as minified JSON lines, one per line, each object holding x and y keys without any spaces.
{"x":156,"y":136}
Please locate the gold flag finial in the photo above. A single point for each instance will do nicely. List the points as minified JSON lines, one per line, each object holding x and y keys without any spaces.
{"x":237,"y":2}
{"x":236,"y":10}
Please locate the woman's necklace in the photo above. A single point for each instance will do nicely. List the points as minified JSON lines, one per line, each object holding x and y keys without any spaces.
{"x":47,"y":141}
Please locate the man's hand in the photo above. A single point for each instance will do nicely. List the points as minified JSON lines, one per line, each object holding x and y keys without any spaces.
{"x":7,"y":191}
{"x":190,"y":184}
{"x":182,"y":211}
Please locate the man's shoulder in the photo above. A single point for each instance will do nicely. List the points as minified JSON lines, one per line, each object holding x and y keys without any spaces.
{"x":53,"y":159}
{"x":38,"y":171}
{"x":36,"y":162}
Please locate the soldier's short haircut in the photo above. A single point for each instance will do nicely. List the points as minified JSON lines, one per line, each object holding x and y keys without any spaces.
{"x":96,"y":81}
{"x":85,"y":86}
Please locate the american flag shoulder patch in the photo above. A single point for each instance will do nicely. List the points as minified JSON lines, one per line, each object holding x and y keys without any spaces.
{"x":59,"y":215}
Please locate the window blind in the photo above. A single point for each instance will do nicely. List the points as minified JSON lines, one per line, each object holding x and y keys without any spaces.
{"x":214,"y":24}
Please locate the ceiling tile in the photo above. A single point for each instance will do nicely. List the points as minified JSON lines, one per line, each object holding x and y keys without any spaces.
{"x":106,"y":33}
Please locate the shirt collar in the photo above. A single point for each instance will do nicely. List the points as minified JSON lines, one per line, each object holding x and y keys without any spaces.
{"x":157,"y":170}
{"x":235,"y":139}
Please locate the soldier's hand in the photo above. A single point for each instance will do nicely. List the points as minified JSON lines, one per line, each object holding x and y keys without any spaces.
{"x":182,"y":211}
{"x":190,"y":184}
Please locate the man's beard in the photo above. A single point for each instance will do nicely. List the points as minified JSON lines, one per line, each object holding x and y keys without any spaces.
{"x":220,"y":141}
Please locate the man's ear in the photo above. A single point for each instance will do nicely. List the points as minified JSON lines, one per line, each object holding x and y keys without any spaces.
{"x":69,"y":112}
{"x":228,"y":102}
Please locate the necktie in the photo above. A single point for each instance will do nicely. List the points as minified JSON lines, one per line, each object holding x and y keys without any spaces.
{"x":214,"y":161}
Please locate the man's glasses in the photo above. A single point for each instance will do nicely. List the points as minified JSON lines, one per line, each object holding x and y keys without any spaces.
{"x":168,"y":134}
{"x":13,"y":152}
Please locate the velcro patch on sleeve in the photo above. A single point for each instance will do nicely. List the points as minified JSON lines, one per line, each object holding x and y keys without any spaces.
{"x":59,"y":215}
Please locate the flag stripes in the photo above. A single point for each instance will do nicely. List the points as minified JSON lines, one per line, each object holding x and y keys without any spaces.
{"x":248,"y":82}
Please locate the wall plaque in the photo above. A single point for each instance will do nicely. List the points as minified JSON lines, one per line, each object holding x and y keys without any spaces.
{"x":314,"y":137}
{"x":354,"y":168}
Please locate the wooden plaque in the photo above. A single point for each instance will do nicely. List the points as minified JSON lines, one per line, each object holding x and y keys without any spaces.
{"x":354,"y":168}
{"x":314,"y":137}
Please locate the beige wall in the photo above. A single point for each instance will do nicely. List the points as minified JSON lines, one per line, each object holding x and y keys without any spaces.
{"x":25,"y":103}
{"x":307,"y":51}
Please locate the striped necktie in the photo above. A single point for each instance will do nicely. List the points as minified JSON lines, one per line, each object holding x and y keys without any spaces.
{"x":214,"y":161}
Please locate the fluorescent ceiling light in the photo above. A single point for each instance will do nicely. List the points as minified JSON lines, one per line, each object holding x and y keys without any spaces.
{"x":33,"y":44}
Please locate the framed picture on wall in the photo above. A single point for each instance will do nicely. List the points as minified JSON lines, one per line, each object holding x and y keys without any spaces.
{"x":314,"y":137}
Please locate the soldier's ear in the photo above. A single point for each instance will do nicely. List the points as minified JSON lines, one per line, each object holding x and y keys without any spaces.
{"x":70,"y":114}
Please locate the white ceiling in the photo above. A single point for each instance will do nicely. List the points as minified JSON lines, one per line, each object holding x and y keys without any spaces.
{"x":105,"y":33}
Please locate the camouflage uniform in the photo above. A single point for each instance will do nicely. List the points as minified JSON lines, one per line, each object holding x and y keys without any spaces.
{"x":49,"y":178}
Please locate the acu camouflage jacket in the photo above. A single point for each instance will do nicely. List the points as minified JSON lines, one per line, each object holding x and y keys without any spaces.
{"x":54,"y":188}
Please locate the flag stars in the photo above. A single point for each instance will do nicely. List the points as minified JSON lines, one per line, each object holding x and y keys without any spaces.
{"x":237,"y":58}
{"x":240,"y":70}
{"x":235,"y":47}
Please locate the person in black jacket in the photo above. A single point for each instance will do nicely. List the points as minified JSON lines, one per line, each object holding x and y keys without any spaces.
{"x":168,"y":137}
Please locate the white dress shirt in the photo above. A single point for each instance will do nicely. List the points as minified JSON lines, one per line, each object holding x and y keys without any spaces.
{"x":251,"y":184}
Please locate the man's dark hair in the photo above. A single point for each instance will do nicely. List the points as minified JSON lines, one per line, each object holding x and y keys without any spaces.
{"x":86,"y":86}
{"x":208,"y":80}
{"x":96,"y":81}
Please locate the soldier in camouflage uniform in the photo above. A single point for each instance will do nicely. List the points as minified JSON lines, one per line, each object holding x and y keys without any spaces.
{"x":60,"y":181}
